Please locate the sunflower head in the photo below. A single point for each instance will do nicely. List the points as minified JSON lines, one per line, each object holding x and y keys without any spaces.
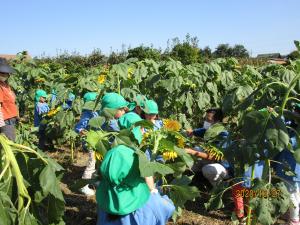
{"x":98,"y":156}
{"x":52,"y":112}
{"x":101,"y":78}
{"x":180,"y":142}
{"x":130,"y":71}
{"x":171,"y":125}
{"x":170,"y":155}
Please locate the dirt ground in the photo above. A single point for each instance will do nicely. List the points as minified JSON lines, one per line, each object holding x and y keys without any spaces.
{"x":81,"y":210}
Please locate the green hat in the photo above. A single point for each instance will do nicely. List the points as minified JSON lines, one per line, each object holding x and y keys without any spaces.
{"x":40,"y":93}
{"x":90,"y":96}
{"x":150,"y":107}
{"x":113,"y":101}
{"x":122,"y":190}
{"x":127,"y":120}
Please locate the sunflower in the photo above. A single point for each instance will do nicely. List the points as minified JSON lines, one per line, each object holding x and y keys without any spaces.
{"x":130,"y":71}
{"x":98,"y":156}
{"x":52,"y":112}
{"x":101,"y":79}
{"x":170,"y":155}
{"x":180,"y":142}
{"x":171,"y":125}
{"x":145,"y":137}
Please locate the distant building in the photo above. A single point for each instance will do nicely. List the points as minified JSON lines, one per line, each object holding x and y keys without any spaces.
{"x":10,"y":57}
{"x":269,"y":56}
{"x":276,"y":58}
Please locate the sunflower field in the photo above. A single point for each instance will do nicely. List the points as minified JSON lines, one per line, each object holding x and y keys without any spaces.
{"x":253,"y":99}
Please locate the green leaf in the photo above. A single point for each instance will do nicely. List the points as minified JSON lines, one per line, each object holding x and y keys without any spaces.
{"x":178,"y":167}
{"x":56,"y":209}
{"x":49,"y":183}
{"x":297,"y":155}
{"x":181,"y":194}
{"x":213,"y":131}
{"x":150,"y":168}
{"x":187,"y":158}
{"x":109,"y":114}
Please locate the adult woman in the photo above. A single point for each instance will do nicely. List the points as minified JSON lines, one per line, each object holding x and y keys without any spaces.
{"x":8,"y":108}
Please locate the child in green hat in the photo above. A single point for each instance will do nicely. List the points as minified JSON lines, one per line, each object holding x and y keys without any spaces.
{"x":111,"y":101}
{"x":41,"y":108}
{"x":82,"y":127}
{"x":150,"y":110}
{"x":123,"y":196}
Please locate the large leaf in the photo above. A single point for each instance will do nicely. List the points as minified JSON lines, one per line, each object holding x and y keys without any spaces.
{"x":150,"y":168}
{"x":180,"y":194}
{"x":49,"y":183}
{"x":213,"y":131}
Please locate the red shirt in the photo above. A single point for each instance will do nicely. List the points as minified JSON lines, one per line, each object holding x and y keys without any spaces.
{"x":8,"y":101}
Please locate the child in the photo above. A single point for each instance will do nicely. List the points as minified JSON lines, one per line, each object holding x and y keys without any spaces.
{"x":41,"y":108}
{"x":213,"y":172}
{"x":212,"y":116}
{"x":109,"y":101}
{"x":150,"y":110}
{"x":123,"y":196}
{"x":118,"y":104}
{"x":81,"y":127}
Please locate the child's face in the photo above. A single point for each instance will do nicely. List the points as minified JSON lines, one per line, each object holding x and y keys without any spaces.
{"x":150,"y":117}
{"x":210,"y":117}
{"x":42,"y":99}
{"x":138,"y":110}
{"x":120,"y":112}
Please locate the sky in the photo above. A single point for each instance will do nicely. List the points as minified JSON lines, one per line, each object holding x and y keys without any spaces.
{"x":48,"y":27}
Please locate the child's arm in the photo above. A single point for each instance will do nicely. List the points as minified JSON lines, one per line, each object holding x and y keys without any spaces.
{"x":82,"y":124}
{"x":199,"y":132}
{"x":202,"y":155}
{"x":42,"y":108}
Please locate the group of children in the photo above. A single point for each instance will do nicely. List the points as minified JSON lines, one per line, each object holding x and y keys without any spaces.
{"x":124,"y":197}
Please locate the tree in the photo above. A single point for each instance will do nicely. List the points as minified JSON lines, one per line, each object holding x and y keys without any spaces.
{"x":115,"y":58}
{"x":95,"y":58}
{"x":185,"y":53}
{"x":142,"y":53}
{"x":239,"y":51}
{"x":205,"y":52}
{"x":224,"y":50}
{"x":294,"y":55}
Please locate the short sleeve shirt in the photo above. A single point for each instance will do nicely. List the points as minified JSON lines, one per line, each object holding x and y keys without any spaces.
{"x":8,"y":101}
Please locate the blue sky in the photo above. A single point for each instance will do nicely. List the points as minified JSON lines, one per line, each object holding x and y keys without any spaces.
{"x":50,"y":26}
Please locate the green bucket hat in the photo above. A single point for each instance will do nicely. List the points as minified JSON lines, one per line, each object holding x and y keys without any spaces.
{"x":40,"y":93}
{"x":150,"y":107}
{"x":122,"y":190}
{"x":113,"y":101}
{"x":127,"y":120}
{"x":90,"y":96}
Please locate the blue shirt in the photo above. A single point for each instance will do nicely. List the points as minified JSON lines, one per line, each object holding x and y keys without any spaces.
{"x":84,"y":120}
{"x":287,"y":160}
{"x":156,"y":211}
{"x":258,"y":170}
{"x":39,"y":110}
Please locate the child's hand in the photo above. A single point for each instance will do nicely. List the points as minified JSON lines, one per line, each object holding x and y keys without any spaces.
{"x":189,"y":132}
{"x":83,"y":132}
